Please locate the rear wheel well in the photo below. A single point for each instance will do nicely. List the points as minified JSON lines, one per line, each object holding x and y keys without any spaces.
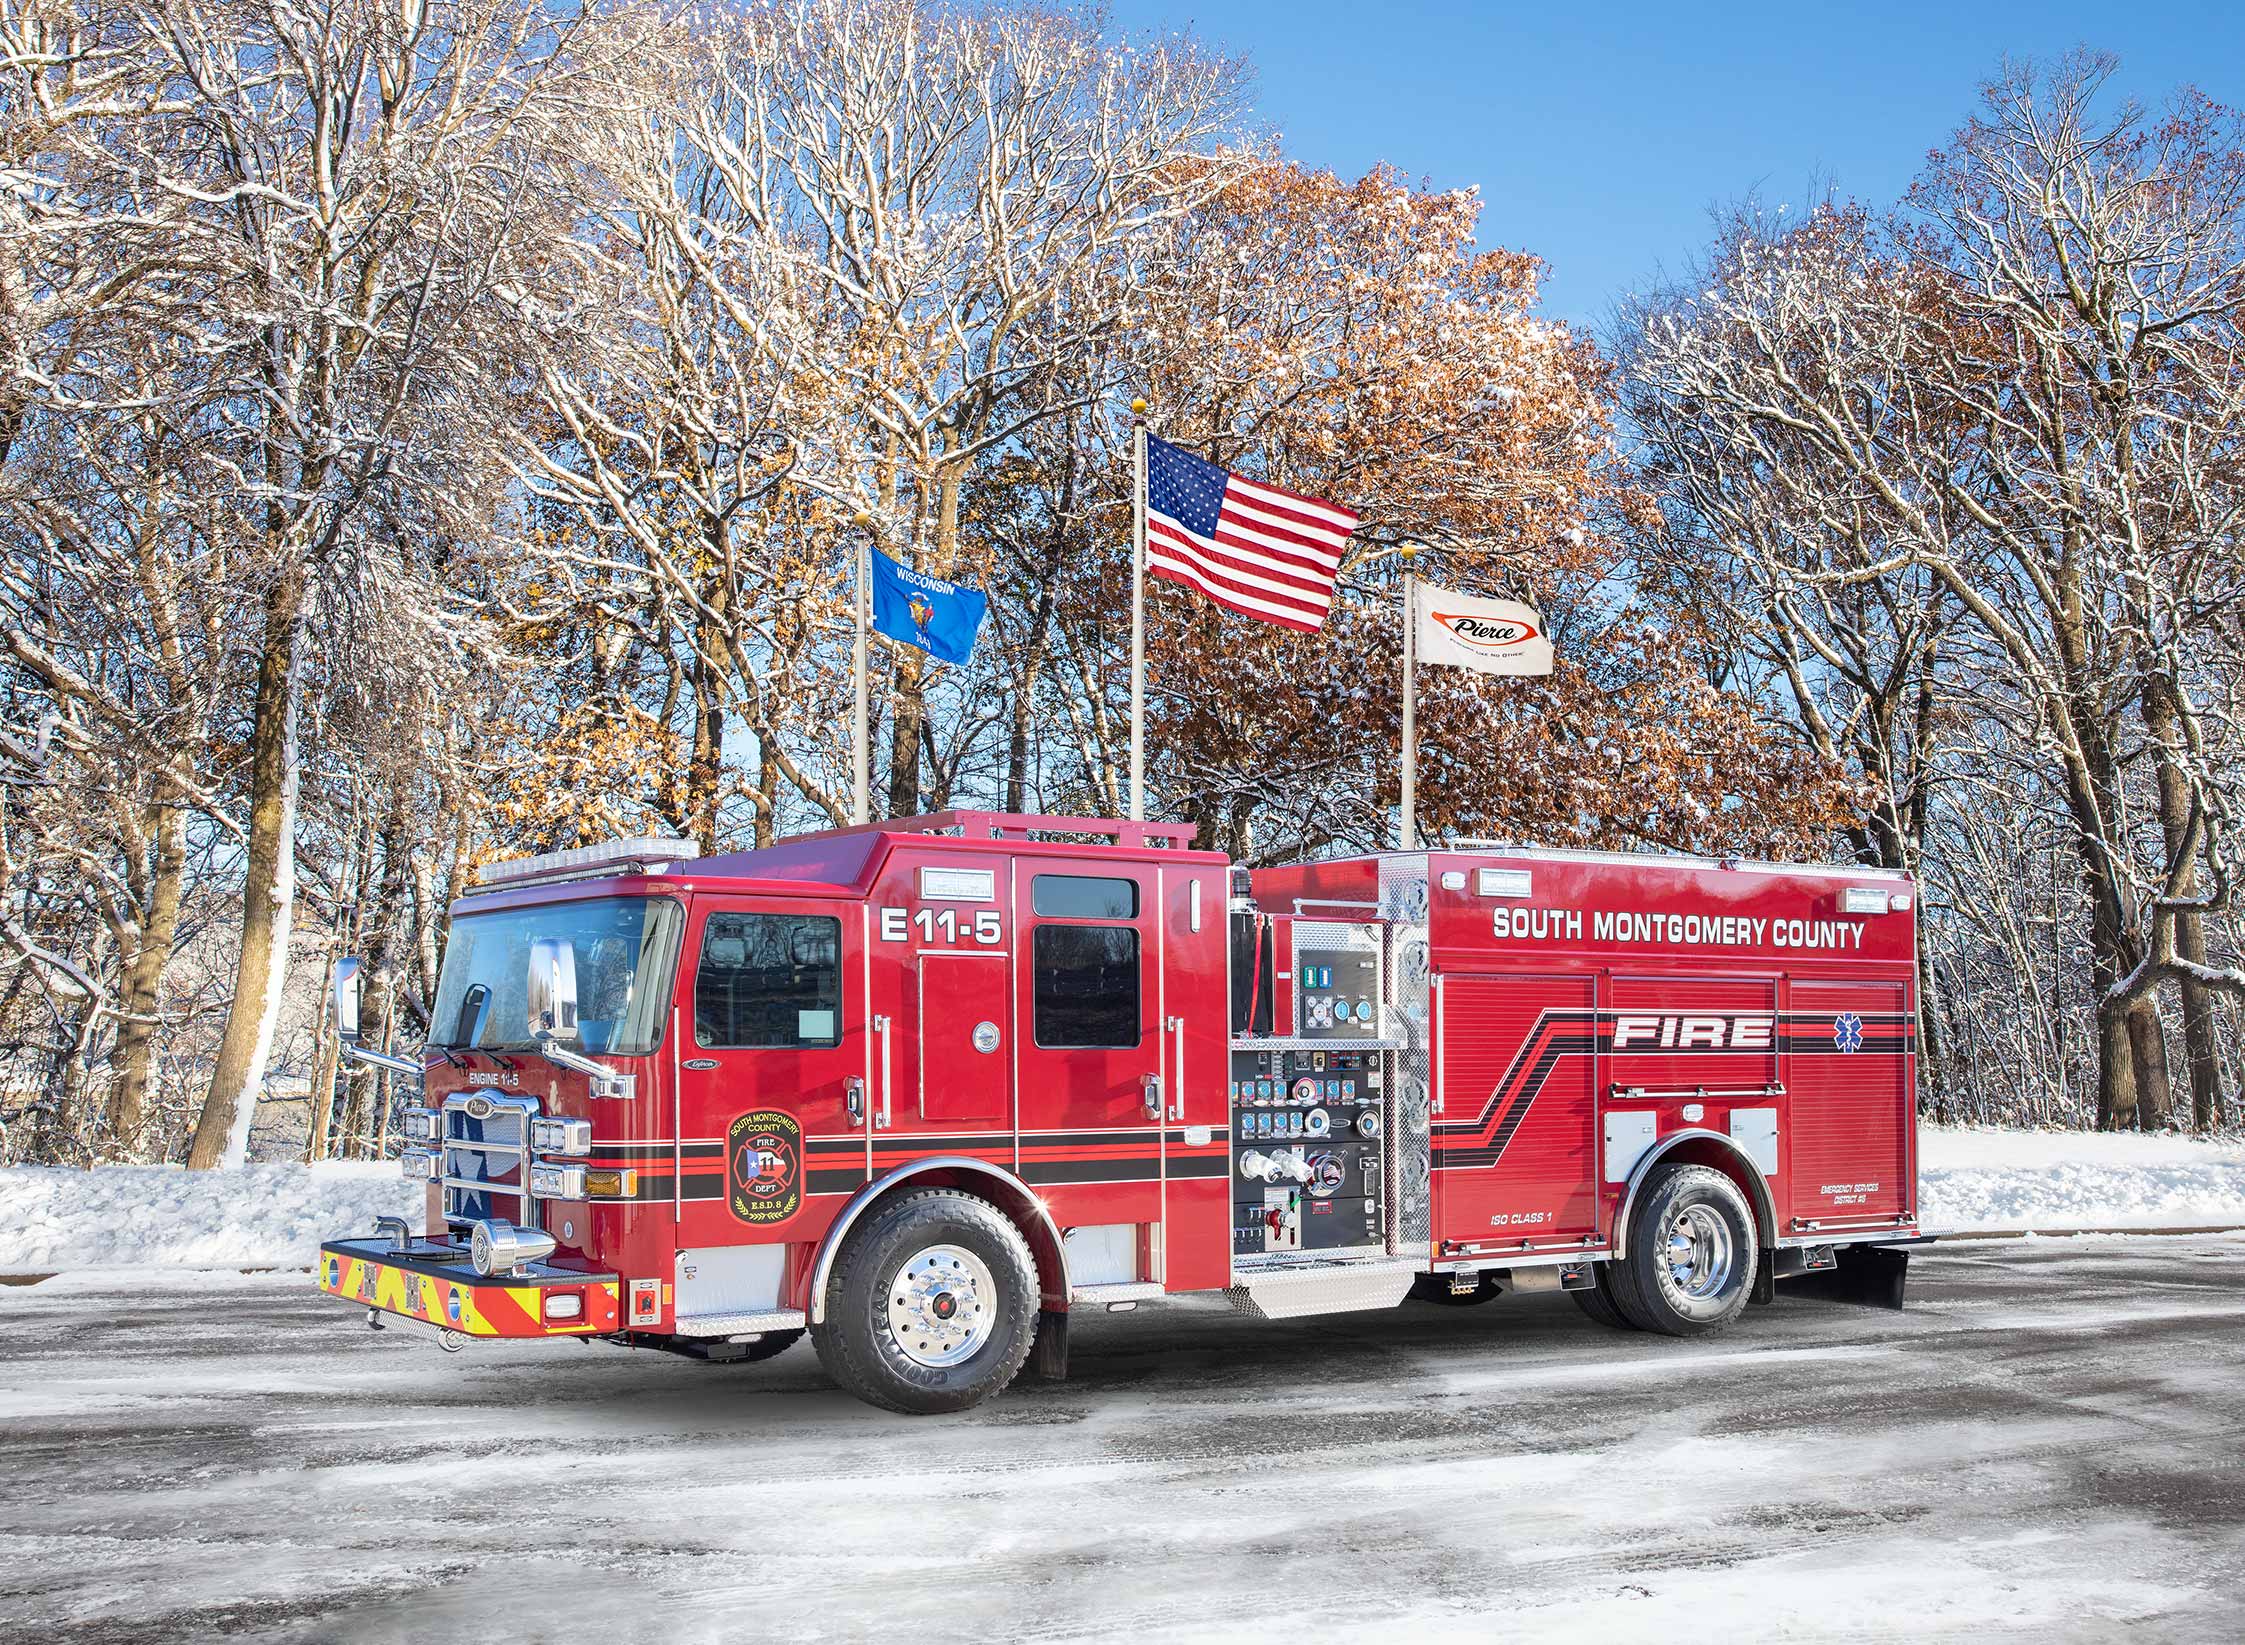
{"x":986,"y":1182}
{"x":1718,"y":1153}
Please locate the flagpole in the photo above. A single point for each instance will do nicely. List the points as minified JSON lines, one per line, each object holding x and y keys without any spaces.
{"x":1138,"y":611}
{"x":860,"y":779}
{"x":1410,"y":553}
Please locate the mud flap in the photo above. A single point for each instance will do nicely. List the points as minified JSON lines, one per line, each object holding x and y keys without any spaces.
{"x":1871,"y":1275}
{"x":1765,"y":1281}
{"x":1048,"y":1355}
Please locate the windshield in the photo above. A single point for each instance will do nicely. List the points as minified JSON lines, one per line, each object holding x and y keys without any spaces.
{"x":626,"y":949}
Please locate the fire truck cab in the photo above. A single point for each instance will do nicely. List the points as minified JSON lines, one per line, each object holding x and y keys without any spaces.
{"x":924,"y":1088}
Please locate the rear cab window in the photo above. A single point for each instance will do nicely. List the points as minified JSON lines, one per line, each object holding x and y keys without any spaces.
{"x":1088,"y":985}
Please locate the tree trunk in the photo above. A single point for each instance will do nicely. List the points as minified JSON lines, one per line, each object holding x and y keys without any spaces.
{"x":268,"y":889}
{"x":329,"y":1042}
{"x":135,"y":1052}
{"x":2201,"y":1045}
{"x":906,"y":710}
{"x":1932,"y":1074}
{"x":767,"y":797}
{"x":705,"y":771}
{"x":2147,"y":1044}
{"x":2201,"y":1036}
{"x":2116,"y":1078}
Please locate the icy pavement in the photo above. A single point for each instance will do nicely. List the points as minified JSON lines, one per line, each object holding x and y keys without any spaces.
{"x":2044,"y":1447}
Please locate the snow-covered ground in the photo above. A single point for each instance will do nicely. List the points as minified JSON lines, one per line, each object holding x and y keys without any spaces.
{"x":1970,"y":1179}
{"x":274,"y":1216}
{"x":261,"y":1216}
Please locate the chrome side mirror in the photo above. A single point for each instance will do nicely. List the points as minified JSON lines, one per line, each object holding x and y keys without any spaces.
{"x":553,"y":990}
{"x":350,"y":979}
{"x":347,"y":985}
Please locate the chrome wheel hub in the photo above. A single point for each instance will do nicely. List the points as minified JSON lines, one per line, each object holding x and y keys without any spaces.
{"x":1697,"y":1265}
{"x":942,"y":1305}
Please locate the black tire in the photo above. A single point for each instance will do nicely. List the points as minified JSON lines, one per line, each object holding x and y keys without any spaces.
{"x":915,"y":1259}
{"x":770,"y":1345}
{"x":1725,"y":1249}
{"x":1598,"y":1301}
{"x":1435,"y":1288}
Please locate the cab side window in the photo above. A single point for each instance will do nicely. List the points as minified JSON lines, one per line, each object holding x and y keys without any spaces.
{"x":1087,"y":976}
{"x":769,"y":981}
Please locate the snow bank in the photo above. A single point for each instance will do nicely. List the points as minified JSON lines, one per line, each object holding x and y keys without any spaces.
{"x":1969,"y":1178}
{"x":274,"y":1216}
{"x":258,"y":1216}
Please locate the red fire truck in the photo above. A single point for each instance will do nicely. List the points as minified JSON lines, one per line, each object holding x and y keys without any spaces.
{"x":925,"y":1088}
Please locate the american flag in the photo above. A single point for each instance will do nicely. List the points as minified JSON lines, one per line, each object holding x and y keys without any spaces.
{"x":1250,"y":547}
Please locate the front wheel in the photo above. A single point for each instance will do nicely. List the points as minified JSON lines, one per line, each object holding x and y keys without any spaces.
{"x":1693,"y":1250}
{"x":931,"y":1305}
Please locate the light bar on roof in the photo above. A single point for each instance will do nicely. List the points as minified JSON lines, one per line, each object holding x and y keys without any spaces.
{"x":650,"y":854}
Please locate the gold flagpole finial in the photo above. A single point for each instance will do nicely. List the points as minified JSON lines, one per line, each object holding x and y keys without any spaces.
{"x":1138,"y":408}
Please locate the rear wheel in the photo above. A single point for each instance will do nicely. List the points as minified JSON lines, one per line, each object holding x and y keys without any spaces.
{"x":931,"y":1305}
{"x":1598,"y":1301}
{"x":1693,"y":1250}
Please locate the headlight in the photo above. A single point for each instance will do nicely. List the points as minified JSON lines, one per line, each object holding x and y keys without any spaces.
{"x":498,"y":1247}
{"x":421,"y":1124}
{"x":557,"y":1182}
{"x":419,"y":1165}
{"x":551,"y":1136}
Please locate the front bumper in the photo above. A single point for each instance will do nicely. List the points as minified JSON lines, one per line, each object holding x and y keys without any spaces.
{"x":436,"y":1285}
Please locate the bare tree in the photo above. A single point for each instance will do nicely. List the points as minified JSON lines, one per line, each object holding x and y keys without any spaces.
{"x":2027,"y":388}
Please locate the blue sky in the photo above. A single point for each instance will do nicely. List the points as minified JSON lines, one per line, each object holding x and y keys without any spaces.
{"x":1600,"y":136}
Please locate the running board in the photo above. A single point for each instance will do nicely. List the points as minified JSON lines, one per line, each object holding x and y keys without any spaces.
{"x":740,"y":1325}
{"x":1133,"y":1290}
{"x":1341,"y":1288}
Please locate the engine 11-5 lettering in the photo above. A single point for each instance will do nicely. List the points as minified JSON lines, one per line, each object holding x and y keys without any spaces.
{"x":940,"y":925}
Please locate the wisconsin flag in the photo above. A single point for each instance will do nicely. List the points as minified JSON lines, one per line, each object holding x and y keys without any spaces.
{"x":940,"y":618}
{"x":1494,"y":636}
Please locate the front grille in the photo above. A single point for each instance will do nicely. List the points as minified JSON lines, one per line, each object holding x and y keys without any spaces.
{"x":487,"y":1157}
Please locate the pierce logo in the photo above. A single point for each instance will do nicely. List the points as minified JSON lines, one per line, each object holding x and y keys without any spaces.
{"x":1486,"y":633}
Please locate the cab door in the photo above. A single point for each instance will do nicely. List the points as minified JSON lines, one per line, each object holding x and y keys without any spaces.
{"x":1196,"y":1077}
{"x":771,"y":1113}
{"x":941,"y":992}
{"x":1094,"y":1046}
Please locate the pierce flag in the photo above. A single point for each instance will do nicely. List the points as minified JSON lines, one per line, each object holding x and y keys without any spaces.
{"x":939,"y":617}
{"x":1493,"y":636}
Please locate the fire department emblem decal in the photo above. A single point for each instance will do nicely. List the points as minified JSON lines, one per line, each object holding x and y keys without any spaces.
{"x":764,"y":1166}
{"x":1847,"y":1032}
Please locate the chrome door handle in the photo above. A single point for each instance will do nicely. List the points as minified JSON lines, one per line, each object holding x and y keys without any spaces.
{"x":853,"y":1098}
{"x":1177,"y":1066}
{"x":1151,"y":1087}
{"x":881,"y":1027}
